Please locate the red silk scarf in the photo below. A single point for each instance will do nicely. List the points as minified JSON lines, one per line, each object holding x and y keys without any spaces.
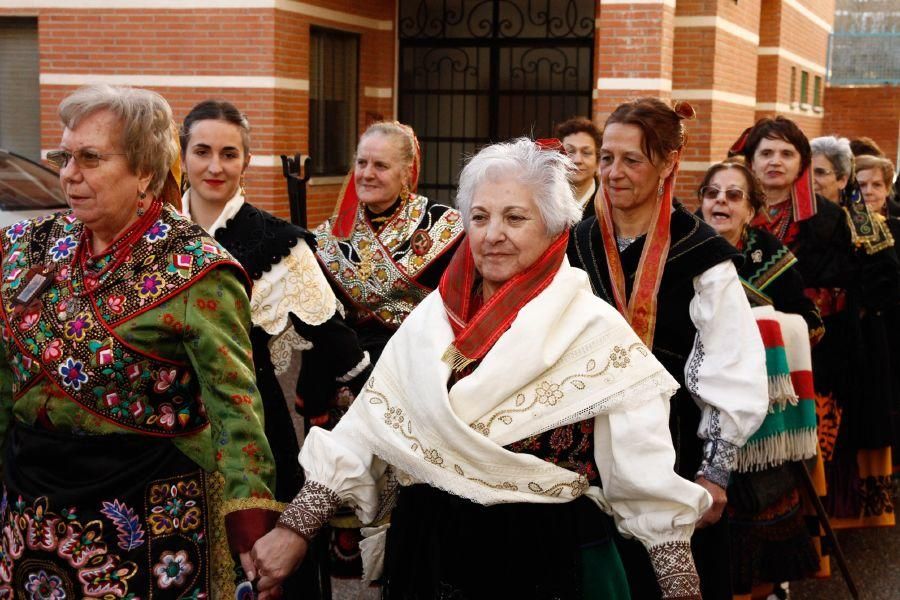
{"x":477,"y":326}
{"x":640,"y":309}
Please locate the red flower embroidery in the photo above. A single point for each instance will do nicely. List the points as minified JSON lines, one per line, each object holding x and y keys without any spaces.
{"x":116,"y":304}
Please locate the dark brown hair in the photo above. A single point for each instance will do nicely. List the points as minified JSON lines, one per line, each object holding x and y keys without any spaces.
{"x":755,"y":194}
{"x":779,"y":128}
{"x":865,"y":146}
{"x":216,"y":110}
{"x":661,"y":125}
{"x":580,"y":125}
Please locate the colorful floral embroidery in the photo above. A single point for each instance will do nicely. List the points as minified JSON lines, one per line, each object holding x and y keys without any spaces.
{"x":174,"y":507}
{"x":73,"y":374}
{"x":158,"y":231}
{"x":41,"y":586}
{"x":150,"y":286}
{"x":172,"y":569}
{"x":17,"y":230}
{"x":77,"y":328}
{"x":62,"y":248}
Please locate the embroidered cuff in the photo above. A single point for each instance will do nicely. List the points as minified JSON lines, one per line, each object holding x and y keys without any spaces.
{"x":310,"y":510}
{"x":675,"y":571}
{"x":719,"y":459}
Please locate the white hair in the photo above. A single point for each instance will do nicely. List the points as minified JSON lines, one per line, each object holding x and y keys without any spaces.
{"x":544,"y":172}
{"x":837,"y":151}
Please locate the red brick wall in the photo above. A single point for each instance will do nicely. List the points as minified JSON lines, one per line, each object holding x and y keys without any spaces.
{"x":224,"y":42}
{"x":872,"y":111}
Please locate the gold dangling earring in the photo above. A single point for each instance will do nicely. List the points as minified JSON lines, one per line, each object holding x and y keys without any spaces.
{"x":241,"y":184}
{"x":659,"y":191}
{"x":405,"y":193}
{"x":140,"y":208}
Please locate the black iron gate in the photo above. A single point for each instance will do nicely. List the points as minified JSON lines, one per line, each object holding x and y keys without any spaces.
{"x":477,"y":71}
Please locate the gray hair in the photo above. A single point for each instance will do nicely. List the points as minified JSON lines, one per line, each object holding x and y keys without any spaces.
{"x":545,"y":172}
{"x":402,"y":134}
{"x":148,"y":131}
{"x":837,"y":151}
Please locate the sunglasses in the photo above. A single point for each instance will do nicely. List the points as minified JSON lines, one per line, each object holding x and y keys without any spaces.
{"x":85,"y":159}
{"x":731,"y":194}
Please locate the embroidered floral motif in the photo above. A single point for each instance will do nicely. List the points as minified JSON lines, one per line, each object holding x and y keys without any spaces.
{"x":174,"y":507}
{"x":131,"y":534}
{"x":172,"y":569}
{"x":158,"y":231}
{"x":150,"y":286}
{"x":693,"y":372}
{"x":549,"y":393}
{"x":17,"y":230}
{"x":570,"y":447}
{"x":77,"y":328}
{"x":104,"y":375}
{"x":41,"y":586}
{"x":73,"y":374}
{"x":62,"y":248}
{"x":875,"y":492}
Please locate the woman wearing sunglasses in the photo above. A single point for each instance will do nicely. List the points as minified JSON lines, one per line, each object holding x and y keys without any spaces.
{"x":730,"y":197}
{"x":769,"y":540}
{"x":135,"y":459}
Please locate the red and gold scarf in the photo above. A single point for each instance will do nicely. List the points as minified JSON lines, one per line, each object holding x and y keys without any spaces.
{"x":348,"y":200}
{"x":640,"y":309}
{"x":477,"y":326}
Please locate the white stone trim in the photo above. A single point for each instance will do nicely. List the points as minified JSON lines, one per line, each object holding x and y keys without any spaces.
{"x":669,"y":3}
{"x":695,"y":165}
{"x":332,"y":180}
{"x":303,"y":8}
{"x":378,"y":92}
{"x":810,"y":15}
{"x":784,"y":53}
{"x":189,"y":81}
{"x":718,"y":23}
{"x":714,"y":96}
{"x":634,"y":83}
{"x":267,"y":160}
{"x":781,"y":107}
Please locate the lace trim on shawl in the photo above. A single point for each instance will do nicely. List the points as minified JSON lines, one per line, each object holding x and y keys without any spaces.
{"x":294,"y":285}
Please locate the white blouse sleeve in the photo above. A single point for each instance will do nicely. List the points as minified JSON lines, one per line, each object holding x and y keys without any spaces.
{"x":648,"y":500}
{"x":726,"y":370}
{"x":339,"y":470}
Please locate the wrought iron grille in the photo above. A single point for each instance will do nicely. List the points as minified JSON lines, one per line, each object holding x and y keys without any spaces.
{"x":477,"y":71}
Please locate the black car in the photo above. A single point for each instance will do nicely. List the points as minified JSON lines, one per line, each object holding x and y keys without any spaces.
{"x":27,"y":189}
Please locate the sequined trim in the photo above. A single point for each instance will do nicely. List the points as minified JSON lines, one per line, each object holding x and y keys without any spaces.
{"x":310,"y":510}
{"x":236,"y":504}
{"x":675,"y":571}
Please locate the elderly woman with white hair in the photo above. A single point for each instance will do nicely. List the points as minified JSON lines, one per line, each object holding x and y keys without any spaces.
{"x":832,"y":166}
{"x":509,"y":411}
{"x":135,"y":460}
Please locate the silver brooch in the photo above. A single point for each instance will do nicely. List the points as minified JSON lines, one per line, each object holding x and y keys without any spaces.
{"x":756,"y":256}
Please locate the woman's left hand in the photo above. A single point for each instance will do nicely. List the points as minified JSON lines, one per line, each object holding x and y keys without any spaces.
{"x":720,"y":499}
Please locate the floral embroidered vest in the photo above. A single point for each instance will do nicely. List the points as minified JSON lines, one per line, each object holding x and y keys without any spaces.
{"x":379,"y":271}
{"x":72,"y":343}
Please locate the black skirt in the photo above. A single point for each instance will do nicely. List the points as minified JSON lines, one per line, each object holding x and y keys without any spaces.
{"x":101,"y":516}
{"x":443,"y":546}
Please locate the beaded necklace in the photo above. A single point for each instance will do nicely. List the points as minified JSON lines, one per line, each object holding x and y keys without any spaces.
{"x":116,"y":254}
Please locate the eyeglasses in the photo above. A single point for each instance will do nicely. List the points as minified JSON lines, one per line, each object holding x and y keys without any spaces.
{"x":820,"y":172}
{"x":85,"y":159}
{"x":731,"y":194}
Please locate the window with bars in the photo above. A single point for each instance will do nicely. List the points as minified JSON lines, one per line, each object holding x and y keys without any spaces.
{"x":793,"y":85}
{"x":817,"y":91}
{"x":804,"y":87}
{"x":333,"y":94}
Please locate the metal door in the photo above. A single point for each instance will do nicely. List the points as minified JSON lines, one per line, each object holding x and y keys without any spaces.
{"x":478,"y":71}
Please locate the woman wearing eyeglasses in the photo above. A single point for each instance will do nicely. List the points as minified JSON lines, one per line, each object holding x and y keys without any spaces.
{"x":730,"y":197}
{"x":135,"y":461}
{"x":769,"y":540}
